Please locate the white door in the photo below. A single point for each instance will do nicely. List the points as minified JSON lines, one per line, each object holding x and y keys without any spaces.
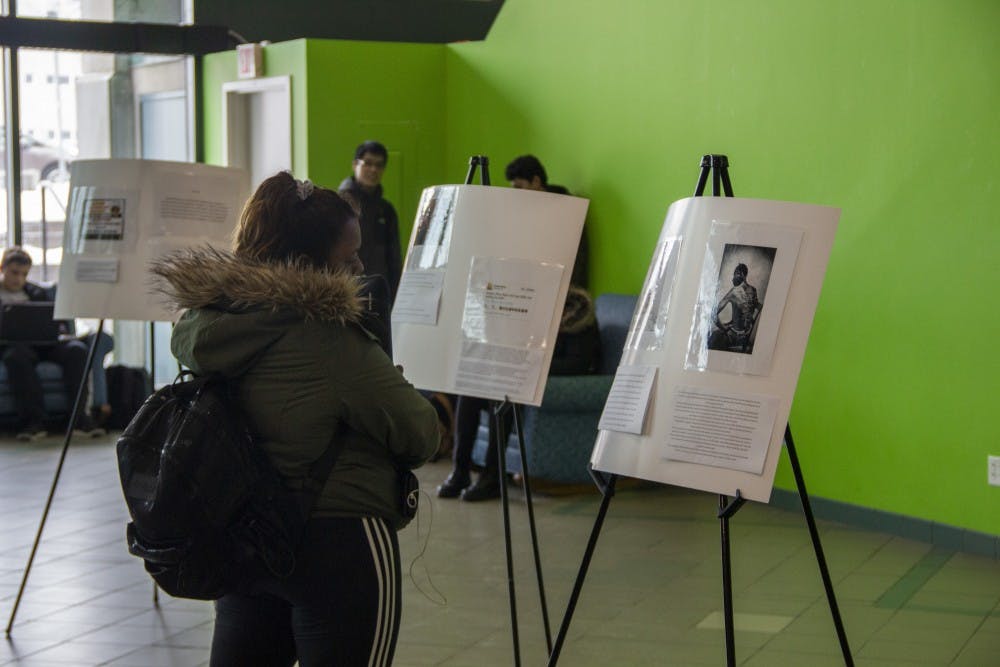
{"x":257,"y":136}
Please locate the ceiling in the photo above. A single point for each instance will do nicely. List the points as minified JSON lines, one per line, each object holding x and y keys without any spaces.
{"x":433,"y":21}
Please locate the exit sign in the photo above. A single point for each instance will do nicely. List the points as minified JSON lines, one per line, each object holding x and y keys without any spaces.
{"x":249,"y":60}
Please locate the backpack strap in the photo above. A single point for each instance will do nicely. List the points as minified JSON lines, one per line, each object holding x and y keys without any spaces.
{"x":319,"y":471}
{"x":312,"y":485}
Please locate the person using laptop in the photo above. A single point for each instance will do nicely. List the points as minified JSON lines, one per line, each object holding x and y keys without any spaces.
{"x":21,"y":358}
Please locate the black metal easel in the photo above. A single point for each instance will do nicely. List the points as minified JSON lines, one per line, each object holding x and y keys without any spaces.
{"x":74,"y":415}
{"x":498,"y":411}
{"x":152,"y":385}
{"x":718,"y":165}
{"x":483,"y":163}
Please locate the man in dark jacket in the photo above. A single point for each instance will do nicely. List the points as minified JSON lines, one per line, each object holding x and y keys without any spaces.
{"x":380,"y":252}
{"x":20,"y":359}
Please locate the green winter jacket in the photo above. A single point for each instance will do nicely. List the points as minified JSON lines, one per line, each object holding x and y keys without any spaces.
{"x":305,"y":366}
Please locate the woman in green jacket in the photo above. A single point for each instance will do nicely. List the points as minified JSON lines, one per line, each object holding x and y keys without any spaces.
{"x":282,"y":318}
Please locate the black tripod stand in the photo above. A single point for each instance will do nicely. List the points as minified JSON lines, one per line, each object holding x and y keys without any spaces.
{"x":498,"y":412}
{"x":718,"y":165}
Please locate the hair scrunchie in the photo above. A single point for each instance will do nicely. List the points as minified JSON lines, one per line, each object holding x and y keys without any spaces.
{"x":304,"y":188}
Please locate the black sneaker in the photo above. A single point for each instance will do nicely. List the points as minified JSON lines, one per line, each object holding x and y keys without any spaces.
{"x":453,"y":485}
{"x":32,"y":433}
{"x":484,"y":489}
{"x":86,"y":428}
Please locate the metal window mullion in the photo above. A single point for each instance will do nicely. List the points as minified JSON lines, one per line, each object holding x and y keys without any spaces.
{"x":13,"y":140}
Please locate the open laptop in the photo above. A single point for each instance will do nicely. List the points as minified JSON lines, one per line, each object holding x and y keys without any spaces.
{"x":29,"y":323}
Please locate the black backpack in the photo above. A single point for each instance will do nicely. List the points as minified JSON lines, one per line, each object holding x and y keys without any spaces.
{"x":127,"y":389}
{"x":209,"y":511}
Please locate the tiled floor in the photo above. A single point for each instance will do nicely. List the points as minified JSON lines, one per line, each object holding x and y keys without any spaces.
{"x":652,"y":597}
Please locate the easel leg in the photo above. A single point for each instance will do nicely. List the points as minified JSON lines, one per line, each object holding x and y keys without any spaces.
{"x":483,"y":162}
{"x":152,"y":381}
{"x":74,"y":415}
{"x":607,"y":487}
{"x":531,"y":523}
{"x":501,"y":445}
{"x":726,"y":510}
{"x":817,"y":547}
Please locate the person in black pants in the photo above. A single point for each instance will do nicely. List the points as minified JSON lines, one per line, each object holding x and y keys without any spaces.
{"x":304,"y":617}
{"x":459,"y":482}
{"x":20,"y":359}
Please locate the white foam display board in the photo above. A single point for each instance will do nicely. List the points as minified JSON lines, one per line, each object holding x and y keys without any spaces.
{"x":124,"y":213}
{"x":723,"y":392}
{"x":476,"y":254}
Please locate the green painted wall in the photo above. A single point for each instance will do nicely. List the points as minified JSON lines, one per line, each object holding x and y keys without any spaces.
{"x":342,"y":94}
{"x":385,"y":91}
{"x":285,"y":59}
{"x":886,"y":108}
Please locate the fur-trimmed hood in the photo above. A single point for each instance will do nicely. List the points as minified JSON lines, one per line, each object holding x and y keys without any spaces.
{"x":209,"y":278}
{"x":578,"y":311}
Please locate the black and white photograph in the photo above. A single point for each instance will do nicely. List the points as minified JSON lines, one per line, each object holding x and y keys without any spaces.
{"x":746,"y":273}
{"x":743,"y":277}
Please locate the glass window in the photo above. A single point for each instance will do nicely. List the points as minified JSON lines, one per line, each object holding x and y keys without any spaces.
{"x":6,"y":237}
{"x":147,"y":11}
{"x":93,"y":105}
{"x":77,"y":105}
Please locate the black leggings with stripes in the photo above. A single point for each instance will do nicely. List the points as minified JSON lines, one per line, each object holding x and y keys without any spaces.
{"x":341,"y":606}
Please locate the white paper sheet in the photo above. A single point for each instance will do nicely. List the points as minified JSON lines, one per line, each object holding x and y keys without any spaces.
{"x":186,"y":206}
{"x":418,"y":297}
{"x":497,"y":371}
{"x":510,"y":302}
{"x":627,"y":404}
{"x":717,"y":428}
{"x":97,"y":270}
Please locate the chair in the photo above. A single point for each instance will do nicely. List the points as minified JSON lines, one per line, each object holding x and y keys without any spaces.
{"x":559,"y":435}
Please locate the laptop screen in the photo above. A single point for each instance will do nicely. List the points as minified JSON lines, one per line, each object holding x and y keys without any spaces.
{"x":29,"y":322}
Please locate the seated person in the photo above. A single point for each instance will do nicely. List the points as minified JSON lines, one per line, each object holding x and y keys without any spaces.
{"x":20,"y":359}
{"x":527,"y":173}
{"x":100,"y":407}
{"x":577,"y":351}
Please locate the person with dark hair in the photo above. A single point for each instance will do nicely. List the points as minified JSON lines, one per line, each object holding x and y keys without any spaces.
{"x":380,"y":248}
{"x":281,"y":317}
{"x":20,"y":359}
{"x":736,"y":334}
{"x":527,"y":173}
